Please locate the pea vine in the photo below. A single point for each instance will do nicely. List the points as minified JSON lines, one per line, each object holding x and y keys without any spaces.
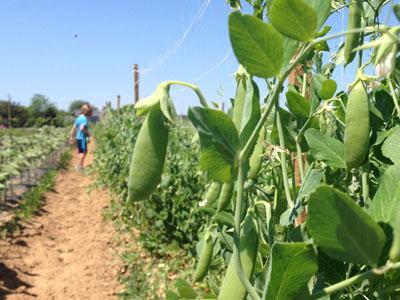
{"x":303,"y":196}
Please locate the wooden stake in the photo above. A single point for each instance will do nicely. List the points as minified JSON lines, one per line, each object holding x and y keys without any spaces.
{"x":118,"y":102}
{"x":295,"y":79}
{"x":9,"y":111}
{"x":136,"y":82}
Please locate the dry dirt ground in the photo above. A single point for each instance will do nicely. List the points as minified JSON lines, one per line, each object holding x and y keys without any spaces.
{"x":66,"y":251}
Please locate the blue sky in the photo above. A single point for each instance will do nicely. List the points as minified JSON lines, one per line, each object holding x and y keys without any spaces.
{"x":39,"y":53}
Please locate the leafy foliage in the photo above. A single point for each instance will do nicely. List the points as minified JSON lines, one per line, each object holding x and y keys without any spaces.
{"x":323,"y":201}
{"x":172,"y":208}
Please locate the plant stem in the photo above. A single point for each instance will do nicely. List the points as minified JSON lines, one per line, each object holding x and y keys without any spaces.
{"x":236,"y":236}
{"x":352,"y":280}
{"x":365,"y":187}
{"x":395,"y":100}
{"x":283,"y":161}
{"x":380,"y":28}
{"x":194,"y":87}
{"x":298,"y":146}
{"x":303,"y":129}
{"x":300,"y":161}
{"x":273,"y":100}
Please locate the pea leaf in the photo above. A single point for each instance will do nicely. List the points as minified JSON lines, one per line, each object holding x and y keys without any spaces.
{"x":297,"y":104}
{"x":342,"y":229}
{"x":384,"y":103}
{"x":328,"y":89}
{"x":170,"y":295}
{"x":219,"y":141}
{"x":331,"y":269}
{"x":224,"y":218}
{"x":294,"y":18}
{"x":386,"y":203}
{"x":396,"y":10}
{"x":325,"y":148}
{"x":216,"y":161}
{"x":289,"y":48}
{"x":185,"y":289}
{"x":322,"y":46}
{"x":394,"y":254}
{"x":390,"y":146}
{"x":322,"y":8}
{"x":257,"y":45}
{"x":317,"y":81}
{"x":324,"y":30}
{"x":311,"y":182}
{"x":291,"y":267}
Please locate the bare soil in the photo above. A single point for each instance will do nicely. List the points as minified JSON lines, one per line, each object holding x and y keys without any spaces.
{"x":66,"y":252}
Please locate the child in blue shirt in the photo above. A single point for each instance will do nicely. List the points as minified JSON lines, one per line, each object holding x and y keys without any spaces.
{"x":80,"y":132}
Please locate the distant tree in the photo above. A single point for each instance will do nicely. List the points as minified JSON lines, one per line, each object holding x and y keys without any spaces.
{"x":39,"y":104}
{"x":76,"y":105}
{"x":42,"y":111}
{"x":13,"y":112}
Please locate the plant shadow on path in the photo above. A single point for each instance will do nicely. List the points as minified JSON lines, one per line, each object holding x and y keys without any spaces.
{"x":11,"y":283}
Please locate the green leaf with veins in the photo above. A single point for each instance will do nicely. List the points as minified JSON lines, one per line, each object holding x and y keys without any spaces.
{"x":342,"y":229}
{"x":257,"y":45}
{"x":294,"y":18}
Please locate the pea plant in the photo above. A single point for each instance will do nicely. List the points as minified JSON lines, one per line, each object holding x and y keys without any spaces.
{"x":170,"y":214}
{"x":303,"y":195}
{"x":22,"y":154}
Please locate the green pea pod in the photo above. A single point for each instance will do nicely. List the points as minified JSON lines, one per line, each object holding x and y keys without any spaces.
{"x":394,"y":253}
{"x":256,"y":156}
{"x":354,"y":22}
{"x":148,"y":156}
{"x":239,"y":101}
{"x":224,"y":218}
{"x":356,"y":133}
{"x":225,"y":196}
{"x":213,"y":192}
{"x":205,"y":258}
{"x":232,"y":288}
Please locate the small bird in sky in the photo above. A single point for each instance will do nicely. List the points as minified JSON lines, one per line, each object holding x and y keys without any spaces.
{"x":76,"y":35}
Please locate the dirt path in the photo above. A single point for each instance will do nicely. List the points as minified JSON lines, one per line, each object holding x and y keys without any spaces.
{"x":65,"y":252}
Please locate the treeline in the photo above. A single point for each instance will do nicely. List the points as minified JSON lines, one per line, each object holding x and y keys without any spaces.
{"x":40,"y":112}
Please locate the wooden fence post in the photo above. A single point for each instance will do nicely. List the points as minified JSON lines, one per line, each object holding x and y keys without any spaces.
{"x":295,"y":79}
{"x":136,"y":82}
{"x":118,"y":102}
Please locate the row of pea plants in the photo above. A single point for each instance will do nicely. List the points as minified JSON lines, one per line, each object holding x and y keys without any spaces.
{"x":169,"y":223}
{"x":303,"y":195}
{"x":172,"y":214}
{"x":19,"y":155}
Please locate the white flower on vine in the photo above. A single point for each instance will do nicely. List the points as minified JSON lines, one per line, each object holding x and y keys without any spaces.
{"x":203,"y":203}
{"x":386,"y":65}
{"x":273,"y":152}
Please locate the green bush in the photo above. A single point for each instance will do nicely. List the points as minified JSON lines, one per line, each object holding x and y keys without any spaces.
{"x":169,"y":216}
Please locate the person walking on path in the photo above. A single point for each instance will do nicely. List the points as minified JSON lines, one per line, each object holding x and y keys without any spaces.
{"x":80,"y":133}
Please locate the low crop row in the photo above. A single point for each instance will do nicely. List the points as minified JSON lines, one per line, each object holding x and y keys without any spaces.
{"x":21,"y":154}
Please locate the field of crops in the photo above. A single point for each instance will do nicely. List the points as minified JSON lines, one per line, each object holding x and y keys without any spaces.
{"x":294,"y":199}
{"x":286,"y":189}
{"x":23,"y":152}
